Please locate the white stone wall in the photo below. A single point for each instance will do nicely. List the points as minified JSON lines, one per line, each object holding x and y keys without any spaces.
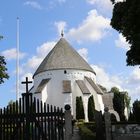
{"x":53,"y":92}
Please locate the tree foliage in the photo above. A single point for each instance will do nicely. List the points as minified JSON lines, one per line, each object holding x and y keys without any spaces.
{"x":79,"y":108}
{"x":126,"y":20}
{"x":91,"y":109}
{"x":3,"y":69}
{"x":136,"y":110}
{"x":120,"y":101}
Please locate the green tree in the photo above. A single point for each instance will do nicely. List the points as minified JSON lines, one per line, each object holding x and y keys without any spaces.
{"x":127,"y":99}
{"x":131,"y":117}
{"x":3,"y":69}
{"x":126,"y":20}
{"x":91,"y":109}
{"x":79,"y":108}
{"x":118,"y":102}
{"x":136,"y":110}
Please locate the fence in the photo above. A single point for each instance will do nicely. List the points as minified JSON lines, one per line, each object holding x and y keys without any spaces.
{"x":120,"y":130}
{"x":30,"y":119}
{"x":127,"y":131}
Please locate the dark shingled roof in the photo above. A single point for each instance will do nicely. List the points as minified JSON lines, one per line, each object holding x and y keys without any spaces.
{"x":63,"y":56}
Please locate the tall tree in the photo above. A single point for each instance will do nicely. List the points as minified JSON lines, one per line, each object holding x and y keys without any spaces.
{"x":118,"y":102}
{"x":79,"y":108}
{"x":91,"y":109}
{"x":126,"y":20}
{"x":136,"y":110}
{"x":3,"y":69}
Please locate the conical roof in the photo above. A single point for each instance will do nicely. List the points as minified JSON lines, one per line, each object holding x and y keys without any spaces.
{"x":63,"y":56}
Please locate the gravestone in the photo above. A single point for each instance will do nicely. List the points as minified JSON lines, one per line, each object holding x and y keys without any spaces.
{"x":107,"y":117}
{"x":99,"y":125}
{"x":68,"y":123}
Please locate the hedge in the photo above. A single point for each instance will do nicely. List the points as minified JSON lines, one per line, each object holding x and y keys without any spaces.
{"x":85,"y":133}
{"x":91,"y":126}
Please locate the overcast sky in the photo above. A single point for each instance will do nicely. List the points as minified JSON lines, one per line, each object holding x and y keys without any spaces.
{"x":86,"y":25}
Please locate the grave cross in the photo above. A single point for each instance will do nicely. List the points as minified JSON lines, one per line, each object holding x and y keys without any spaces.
{"x":26,"y":84}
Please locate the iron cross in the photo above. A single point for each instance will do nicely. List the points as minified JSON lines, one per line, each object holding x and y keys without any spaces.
{"x":26,"y":84}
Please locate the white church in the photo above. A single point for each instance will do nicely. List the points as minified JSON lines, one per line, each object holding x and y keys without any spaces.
{"x":64,"y":75}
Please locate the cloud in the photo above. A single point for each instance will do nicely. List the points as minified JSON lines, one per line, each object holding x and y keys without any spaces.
{"x":84,"y":53}
{"x":93,"y":28}
{"x":61,"y":1}
{"x":130,"y":83}
{"x":22,"y":87}
{"x":121,"y":42}
{"x":119,"y":0}
{"x":28,"y":68}
{"x":11,"y":54}
{"x":55,"y":3}
{"x":33,"y":4}
{"x":134,"y":77}
{"x":104,"y":6}
{"x":61,"y":26}
{"x":105,"y":79}
{"x":33,"y":62}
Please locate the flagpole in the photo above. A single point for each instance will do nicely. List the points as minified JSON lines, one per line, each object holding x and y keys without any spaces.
{"x":17,"y":61}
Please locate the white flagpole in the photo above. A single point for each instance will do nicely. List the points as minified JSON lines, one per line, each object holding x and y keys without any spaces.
{"x":17,"y":62}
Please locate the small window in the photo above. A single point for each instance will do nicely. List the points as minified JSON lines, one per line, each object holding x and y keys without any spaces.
{"x":65,"y":71}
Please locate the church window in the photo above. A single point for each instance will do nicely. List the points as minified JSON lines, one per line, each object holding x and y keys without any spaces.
{"x":66,"y":86}
{"x":65,"y":71}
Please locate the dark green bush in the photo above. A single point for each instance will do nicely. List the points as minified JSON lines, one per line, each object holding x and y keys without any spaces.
{"x":79,"y":108}
{"x":91,"y":109}
{"x":91,"y":126}
{"x":86,"y":134}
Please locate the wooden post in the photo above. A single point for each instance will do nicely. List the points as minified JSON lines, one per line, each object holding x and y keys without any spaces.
{"x":99,"y":125}
{"x":107,"y":124}
{"x":27,"y":107}
{"x":68,"y":123}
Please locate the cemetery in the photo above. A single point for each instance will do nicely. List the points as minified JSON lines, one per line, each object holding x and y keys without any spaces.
{"x":83,"y":111}
{"x":61,"y":92}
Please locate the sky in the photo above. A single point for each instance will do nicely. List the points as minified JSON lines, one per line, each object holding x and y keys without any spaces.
{"x":86,"y":26}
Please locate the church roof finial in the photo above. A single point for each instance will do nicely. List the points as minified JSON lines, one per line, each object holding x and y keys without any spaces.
{"x":62,"y":33}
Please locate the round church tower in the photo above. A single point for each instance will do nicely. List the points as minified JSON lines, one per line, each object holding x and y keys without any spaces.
{"x":64,"y":75}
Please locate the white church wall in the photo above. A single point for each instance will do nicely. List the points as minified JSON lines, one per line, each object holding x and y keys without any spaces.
{"x":101,"y":102}
{"x":93,"y":92}
{"x":53,"y":92}
{"x":85,"y":103}
{"x":77,"y":93}
{"x":44,"y":95}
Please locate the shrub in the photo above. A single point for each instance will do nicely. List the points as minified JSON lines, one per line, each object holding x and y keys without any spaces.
{"x":79,"y":108}
{"x":91,"y":109}
{"x":136,"y":110}
{"x":91,"y":126}
{"x":86,"y":134}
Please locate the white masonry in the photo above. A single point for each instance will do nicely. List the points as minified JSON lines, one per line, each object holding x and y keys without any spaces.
{"x":64,"y":75}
